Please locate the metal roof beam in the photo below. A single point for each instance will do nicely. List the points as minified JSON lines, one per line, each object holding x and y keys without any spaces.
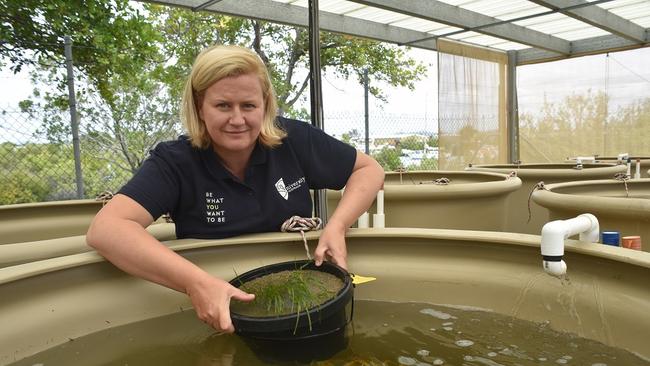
{"x":298,"y":16}
{"x":602,"y":44}
{"x":598,"y":17}
{"x":440,"y":12}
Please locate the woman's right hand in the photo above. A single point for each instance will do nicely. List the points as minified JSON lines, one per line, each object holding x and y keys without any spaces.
{"x":211,"y":299}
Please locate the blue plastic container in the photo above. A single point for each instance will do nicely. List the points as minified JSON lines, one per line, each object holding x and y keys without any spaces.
{"x":611,"y":238}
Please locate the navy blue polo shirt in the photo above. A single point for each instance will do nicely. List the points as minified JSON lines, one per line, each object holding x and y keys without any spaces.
{"x":206,"y":201}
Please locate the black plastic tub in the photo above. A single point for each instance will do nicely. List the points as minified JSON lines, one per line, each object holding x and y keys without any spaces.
{"x":278,"y":337}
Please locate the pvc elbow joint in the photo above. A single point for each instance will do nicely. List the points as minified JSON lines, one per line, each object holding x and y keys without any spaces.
{"x":555,"y":268}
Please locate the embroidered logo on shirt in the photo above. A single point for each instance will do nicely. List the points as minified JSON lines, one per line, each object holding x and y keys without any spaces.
{"x":279,"y":185}
{"x":284,"y":190}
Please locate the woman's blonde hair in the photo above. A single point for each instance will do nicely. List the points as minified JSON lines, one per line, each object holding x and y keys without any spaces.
{"x":216,"y":63}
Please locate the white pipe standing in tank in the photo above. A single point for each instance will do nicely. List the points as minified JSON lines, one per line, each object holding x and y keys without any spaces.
{"x":555,"y":232}
{"x":379,"y":219}
{"x":586,"y":159}
{"x":364,"y":221}
{"x":637,"y":172}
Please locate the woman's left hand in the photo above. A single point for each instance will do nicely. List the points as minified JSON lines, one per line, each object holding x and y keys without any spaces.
{"x":331,"y":246}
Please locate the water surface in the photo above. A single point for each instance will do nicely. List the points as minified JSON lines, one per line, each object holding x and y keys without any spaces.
{"x":382,"y":333}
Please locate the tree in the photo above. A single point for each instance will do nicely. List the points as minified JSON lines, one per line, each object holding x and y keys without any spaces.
{"x":412,"y":143}
{"x":575,"y":126}
{"x":284,"y":50}
{"x":131,"y":63}
{"x":110,"y":37}
{"x":388,"y":158}
{"x":433,"y":141}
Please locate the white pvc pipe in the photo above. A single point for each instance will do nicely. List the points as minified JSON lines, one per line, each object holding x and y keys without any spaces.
{"x":364,"y":221}
{"x":555,"y":232}
{"x":379,"y":219}
{"x":637,"y":172}
{"x":629,"y":168}
{"x":380,"y":202}
{"x":584,"y":159}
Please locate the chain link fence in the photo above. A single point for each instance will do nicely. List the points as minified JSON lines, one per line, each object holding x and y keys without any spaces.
{"x":38,"y":164}
{"x":36,"y":167}
{"x":396,"y":141}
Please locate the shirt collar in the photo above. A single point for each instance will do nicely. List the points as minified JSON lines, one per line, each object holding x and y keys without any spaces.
{"x":258,"y":157}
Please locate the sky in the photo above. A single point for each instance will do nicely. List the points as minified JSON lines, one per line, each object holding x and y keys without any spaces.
{"x":624,"y":74}
{"x":343,"y":100}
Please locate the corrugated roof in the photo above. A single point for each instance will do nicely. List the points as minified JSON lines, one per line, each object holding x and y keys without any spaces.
{"x":538,"y":30}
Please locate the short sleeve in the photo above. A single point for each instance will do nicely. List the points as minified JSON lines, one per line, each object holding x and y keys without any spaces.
{"x":327,"y":162}
{"x":155,"y":185}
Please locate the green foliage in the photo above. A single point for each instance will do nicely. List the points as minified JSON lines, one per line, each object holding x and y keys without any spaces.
{"x":432,"y":141}
{"x":130,"y":64}
{"x":412,"y":143}
{"x":388,"y":158}
{"x":285,"y":51}
{"x":110,"y":37}
{"x":582,"y":125}
{"x":427,"y":164}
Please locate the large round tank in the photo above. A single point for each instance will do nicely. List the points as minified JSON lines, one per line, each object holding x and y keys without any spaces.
{"x":46,"y":220}
{"x":29,"y":251}
{"x":519,"y":202}
{"x":443,"y":199}
{"x":55,"y":301}
{"x":618,"y":205}
{"x":26,"y":222}
{"x":644,"y":162}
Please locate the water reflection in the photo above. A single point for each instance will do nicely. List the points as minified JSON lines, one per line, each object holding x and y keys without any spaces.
{"x":383,"y":333}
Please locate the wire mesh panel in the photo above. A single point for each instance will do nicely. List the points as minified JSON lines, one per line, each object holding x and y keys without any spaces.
{"x":596,"y":105}
{"x":35,"y":166}
{"x":396,"y":141}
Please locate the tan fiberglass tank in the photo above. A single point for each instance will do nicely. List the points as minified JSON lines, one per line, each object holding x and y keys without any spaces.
{"x":51,"y":302}
{"x":443,"y":199}
{"x":531,"y":174}
{"x":618,"y":205}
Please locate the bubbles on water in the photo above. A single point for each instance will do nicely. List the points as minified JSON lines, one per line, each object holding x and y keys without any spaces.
{"x":407,"y":361}
{"x":447,"y":324}
{"x":598,"y":364}
{"x":492,"y":354}
{"x":423,"y":353}
{"x":437,"y":314}
{"x":438,"y":361}
{"x":513,"y":352}
{"x":448,"y":328}
{"x":464,"y":343}
{"x":481,"y":360}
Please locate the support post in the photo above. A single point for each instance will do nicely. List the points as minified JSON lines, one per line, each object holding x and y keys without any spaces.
{"x":72,"y":101}
{"x":315,"y":89}
{"x":513,"y":108}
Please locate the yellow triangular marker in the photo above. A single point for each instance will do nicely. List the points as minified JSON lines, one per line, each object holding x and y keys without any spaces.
{"x":357,"y":280}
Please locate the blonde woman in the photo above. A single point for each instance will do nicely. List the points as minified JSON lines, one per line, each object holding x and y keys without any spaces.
{"x":240,"y":169}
